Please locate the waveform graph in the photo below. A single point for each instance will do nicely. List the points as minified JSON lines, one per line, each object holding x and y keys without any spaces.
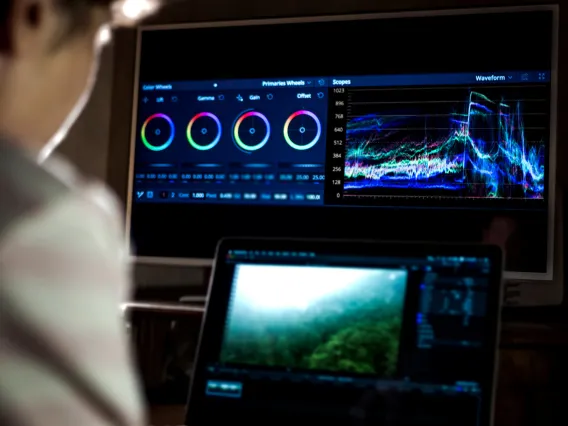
{"x":485,"y":142}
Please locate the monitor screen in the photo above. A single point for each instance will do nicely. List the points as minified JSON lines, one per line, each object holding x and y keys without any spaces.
{"x":343,"y":335}
{"x":293,"y":137}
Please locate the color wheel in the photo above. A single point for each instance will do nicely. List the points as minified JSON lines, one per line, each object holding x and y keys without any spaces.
{"x":302,"y":130}
{"x":158,"y":130}
{"x":208,"y":130}
{"x":254,"y":127}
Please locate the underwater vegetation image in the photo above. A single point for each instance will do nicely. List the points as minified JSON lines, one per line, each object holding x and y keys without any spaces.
{"x":316,"y":318}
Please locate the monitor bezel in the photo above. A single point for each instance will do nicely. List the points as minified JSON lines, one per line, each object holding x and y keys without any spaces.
{"x":371,"y":248}
{"x":203,"y":262}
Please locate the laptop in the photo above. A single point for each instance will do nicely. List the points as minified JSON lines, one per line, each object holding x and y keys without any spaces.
{"x":348,"y":333}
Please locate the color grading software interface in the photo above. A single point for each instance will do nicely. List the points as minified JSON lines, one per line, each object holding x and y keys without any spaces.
{"x":473,"y":138}
{"x":403,"y":340}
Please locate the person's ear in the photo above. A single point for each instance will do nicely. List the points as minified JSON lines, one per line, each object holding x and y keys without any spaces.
{"x":32,"y":27}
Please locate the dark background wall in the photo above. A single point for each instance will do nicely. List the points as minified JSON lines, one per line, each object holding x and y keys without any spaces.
{"x":99,"y":143}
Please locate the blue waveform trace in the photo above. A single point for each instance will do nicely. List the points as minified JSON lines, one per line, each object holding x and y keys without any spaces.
{"x":483,"y":153}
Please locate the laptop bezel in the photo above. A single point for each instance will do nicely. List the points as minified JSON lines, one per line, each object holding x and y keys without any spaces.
{"x":219,"y":291}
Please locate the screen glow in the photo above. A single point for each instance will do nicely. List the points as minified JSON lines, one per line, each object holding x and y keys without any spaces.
{"x":273,"y":287}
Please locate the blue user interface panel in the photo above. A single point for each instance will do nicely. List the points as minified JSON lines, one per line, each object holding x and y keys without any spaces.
{"x":476,"y":138}
{"x":353,"y":132}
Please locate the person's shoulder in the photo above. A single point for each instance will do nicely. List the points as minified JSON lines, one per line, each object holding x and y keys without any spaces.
{"x":86,"y":218}
{"x":89,"y":194}
{"x":25,"y":187}
{"x":55,"y":203}
{"x":76,"y":238}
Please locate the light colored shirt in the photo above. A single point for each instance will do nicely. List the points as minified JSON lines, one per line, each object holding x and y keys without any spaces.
{"x":64,"y":352}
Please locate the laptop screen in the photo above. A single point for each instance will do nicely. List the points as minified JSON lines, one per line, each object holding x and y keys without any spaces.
{"x":340,"y":334}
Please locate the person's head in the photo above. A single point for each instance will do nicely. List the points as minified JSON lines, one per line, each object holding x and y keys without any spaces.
{"x":48,"y":58}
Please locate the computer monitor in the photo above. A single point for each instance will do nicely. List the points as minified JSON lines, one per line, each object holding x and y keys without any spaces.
{"x":341,"y":333}
{"x":413,"y":126}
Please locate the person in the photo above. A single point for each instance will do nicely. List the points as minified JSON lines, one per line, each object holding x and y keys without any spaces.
{"x":64,"y":357}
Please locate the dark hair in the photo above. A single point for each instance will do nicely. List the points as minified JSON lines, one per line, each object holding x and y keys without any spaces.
{"x":76,"y":10}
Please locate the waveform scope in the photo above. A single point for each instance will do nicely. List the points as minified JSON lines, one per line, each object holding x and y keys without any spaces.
{"x":478,"y":147}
